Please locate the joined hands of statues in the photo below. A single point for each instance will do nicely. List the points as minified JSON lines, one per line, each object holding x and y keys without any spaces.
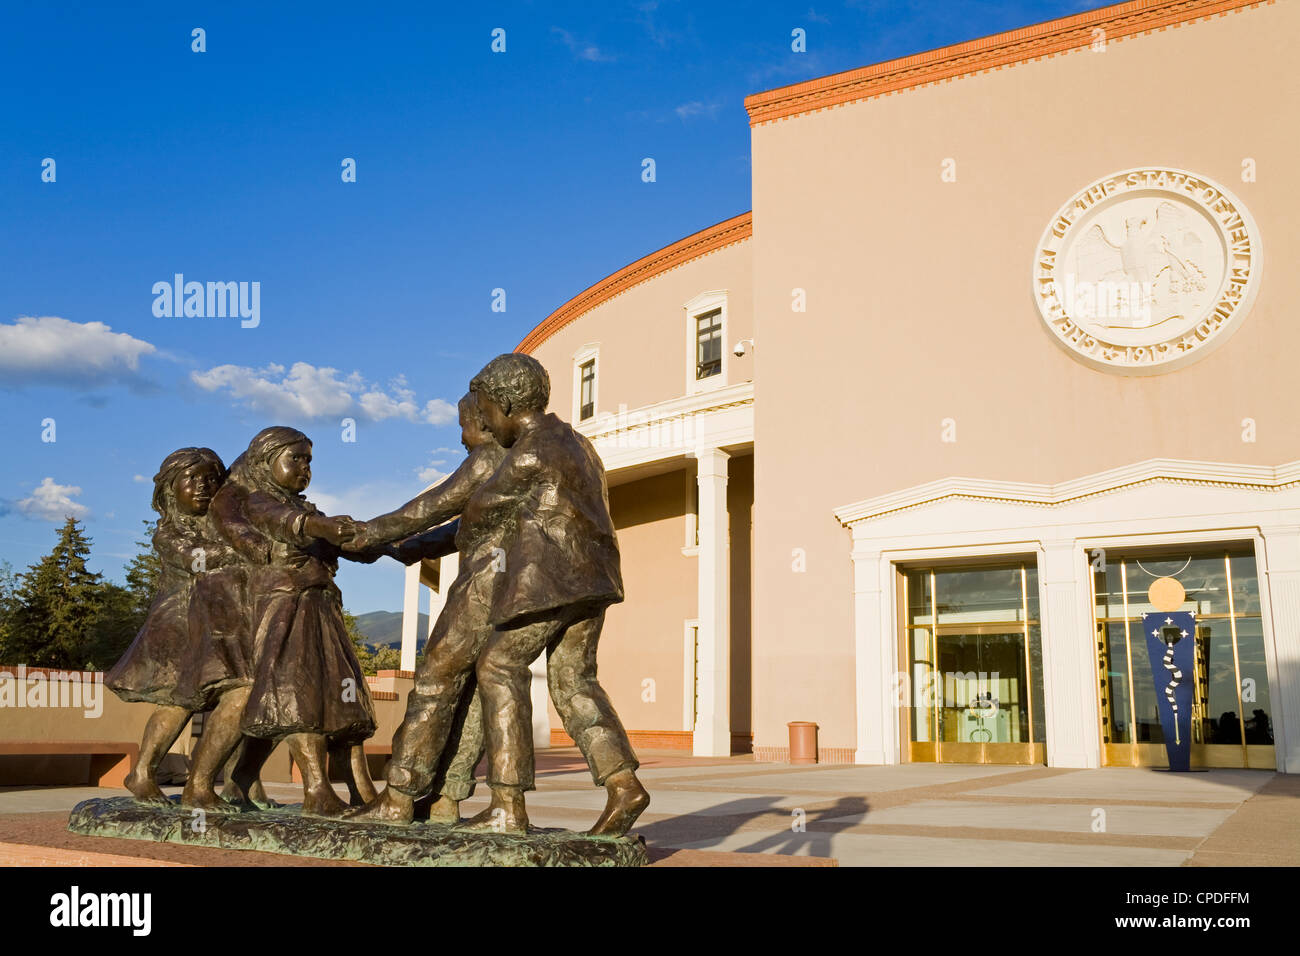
{"x":338,"y":531}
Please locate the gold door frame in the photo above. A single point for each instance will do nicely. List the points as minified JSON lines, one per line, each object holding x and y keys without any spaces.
{"x":1137,"y":754}
{"x":935,"y":750}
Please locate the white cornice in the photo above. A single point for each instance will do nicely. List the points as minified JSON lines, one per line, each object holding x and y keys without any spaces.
{"x":607,"y":424}
{"x":673,"y":429}
{"x":1154,"y":470}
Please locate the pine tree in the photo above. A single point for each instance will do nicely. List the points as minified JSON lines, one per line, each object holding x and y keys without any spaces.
{"x":8,"y":603}
{"x":143,"y":573}
{"x":114,"y":629}
{"x":358,"y":643}
{"x":58,"y":606}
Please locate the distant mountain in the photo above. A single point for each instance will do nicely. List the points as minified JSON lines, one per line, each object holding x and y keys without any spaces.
{"x":384,"y":628}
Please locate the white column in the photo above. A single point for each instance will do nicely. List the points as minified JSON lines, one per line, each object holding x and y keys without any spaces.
{"x":1069,"y":659}
{"x":877,"y":706}
{"x":1282,"y":583}
{"x":410,"y":616}
{"x":713,"y":723}
{"x":540,"y":695}
{"x":448,"y":568}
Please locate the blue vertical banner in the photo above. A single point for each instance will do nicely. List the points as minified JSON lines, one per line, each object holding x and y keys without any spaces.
{"x":1171,"y":644}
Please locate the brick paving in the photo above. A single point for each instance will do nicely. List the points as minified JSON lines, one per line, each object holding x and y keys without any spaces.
{"x":726,"y":812}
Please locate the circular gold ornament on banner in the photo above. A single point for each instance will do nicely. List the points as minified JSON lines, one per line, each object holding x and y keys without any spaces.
{"x":1166,"y":594}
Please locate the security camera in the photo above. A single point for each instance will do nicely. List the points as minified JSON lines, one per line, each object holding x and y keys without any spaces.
{"x":739,"y":349}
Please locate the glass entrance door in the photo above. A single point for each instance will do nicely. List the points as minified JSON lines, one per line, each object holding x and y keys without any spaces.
{"x":984,"y":704}
{"x":1231,"y":712}
{"x":975,"y":663}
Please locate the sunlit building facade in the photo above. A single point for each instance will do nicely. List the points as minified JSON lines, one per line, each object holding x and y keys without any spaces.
{"x":902,"y":451}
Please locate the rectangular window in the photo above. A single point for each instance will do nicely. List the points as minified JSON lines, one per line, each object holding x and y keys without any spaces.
{"x":708,"y":344}
{"x":587,"y":390}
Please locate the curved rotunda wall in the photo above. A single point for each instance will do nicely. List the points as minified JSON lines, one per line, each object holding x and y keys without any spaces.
{"x":642,"y":334}
{"x":643,"y":339}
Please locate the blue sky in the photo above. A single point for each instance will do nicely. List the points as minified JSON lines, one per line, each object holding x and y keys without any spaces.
{"x":474,"y":171}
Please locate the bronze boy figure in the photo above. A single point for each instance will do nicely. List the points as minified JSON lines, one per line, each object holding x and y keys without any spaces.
{"x":453,"y":781}
{"x":540,"y":524}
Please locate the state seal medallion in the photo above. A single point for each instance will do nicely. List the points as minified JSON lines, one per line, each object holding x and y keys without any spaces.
{"x":1147,"y":270}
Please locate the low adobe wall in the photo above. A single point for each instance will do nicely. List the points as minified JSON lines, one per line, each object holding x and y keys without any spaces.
{"x":65,"y":728}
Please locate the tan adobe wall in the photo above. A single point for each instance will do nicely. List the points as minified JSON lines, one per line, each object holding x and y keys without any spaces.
{"x":643,"y":334}
{"x":642,"y":638}
{"x":919,"y":305}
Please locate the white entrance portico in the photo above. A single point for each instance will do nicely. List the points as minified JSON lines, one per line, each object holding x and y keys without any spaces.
{"x":1064,"y":530}
{"x":709,"y":427}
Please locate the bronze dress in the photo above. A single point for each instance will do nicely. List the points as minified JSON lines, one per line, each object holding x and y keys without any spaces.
{"x":168,"y":662}
{"x":307,"y":678}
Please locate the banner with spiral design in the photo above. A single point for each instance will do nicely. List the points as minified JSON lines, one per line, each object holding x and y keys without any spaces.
{"x":1171,"y":644}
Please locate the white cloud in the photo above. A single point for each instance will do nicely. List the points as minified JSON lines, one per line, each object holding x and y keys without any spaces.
{"x":435,"y":470}
{"x":363,"y":501}
{"x":646,"y":18}
{"x":52,"y":502}
{"x":581,"y":49}
{"x":52,"y":350}
{"x":139,"y":479}
{"x":440,"y":412}
{"x":697,"y":108}
{"x":306,"y":392}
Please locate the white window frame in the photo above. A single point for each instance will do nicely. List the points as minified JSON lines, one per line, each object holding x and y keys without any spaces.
{"x":704,"y":303}
{"x":589,"y":352}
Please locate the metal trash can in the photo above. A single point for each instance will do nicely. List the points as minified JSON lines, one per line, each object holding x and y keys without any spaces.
{"x":803,"y":741}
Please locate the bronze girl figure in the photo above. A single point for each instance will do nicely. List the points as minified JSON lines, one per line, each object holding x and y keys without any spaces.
{"x":170,"y":663}
{"x":308,"y":688}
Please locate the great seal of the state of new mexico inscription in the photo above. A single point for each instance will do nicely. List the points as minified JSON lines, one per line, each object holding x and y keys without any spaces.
{"x":1147,"y":270}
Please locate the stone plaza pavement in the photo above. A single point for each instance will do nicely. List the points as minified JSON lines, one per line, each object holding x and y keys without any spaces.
{"x":909,"y":815}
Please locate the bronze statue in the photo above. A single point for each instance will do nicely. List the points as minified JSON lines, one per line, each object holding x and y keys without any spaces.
{"x":539,"y":566}
{"x":307,"y":687}
{"x":169,"y":663}
{"x":255,"y":623}
{"x":453,"y":780}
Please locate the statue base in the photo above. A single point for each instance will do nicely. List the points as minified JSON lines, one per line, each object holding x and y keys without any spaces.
{"x":285,"y":830}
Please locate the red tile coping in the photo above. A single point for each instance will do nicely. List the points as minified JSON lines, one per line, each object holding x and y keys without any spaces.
{"x":725,"y":233}
{"x":741,"y":742}
{"x":986,"y":53}
{"x":654,"y":739}
{"x":390,"y":673}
